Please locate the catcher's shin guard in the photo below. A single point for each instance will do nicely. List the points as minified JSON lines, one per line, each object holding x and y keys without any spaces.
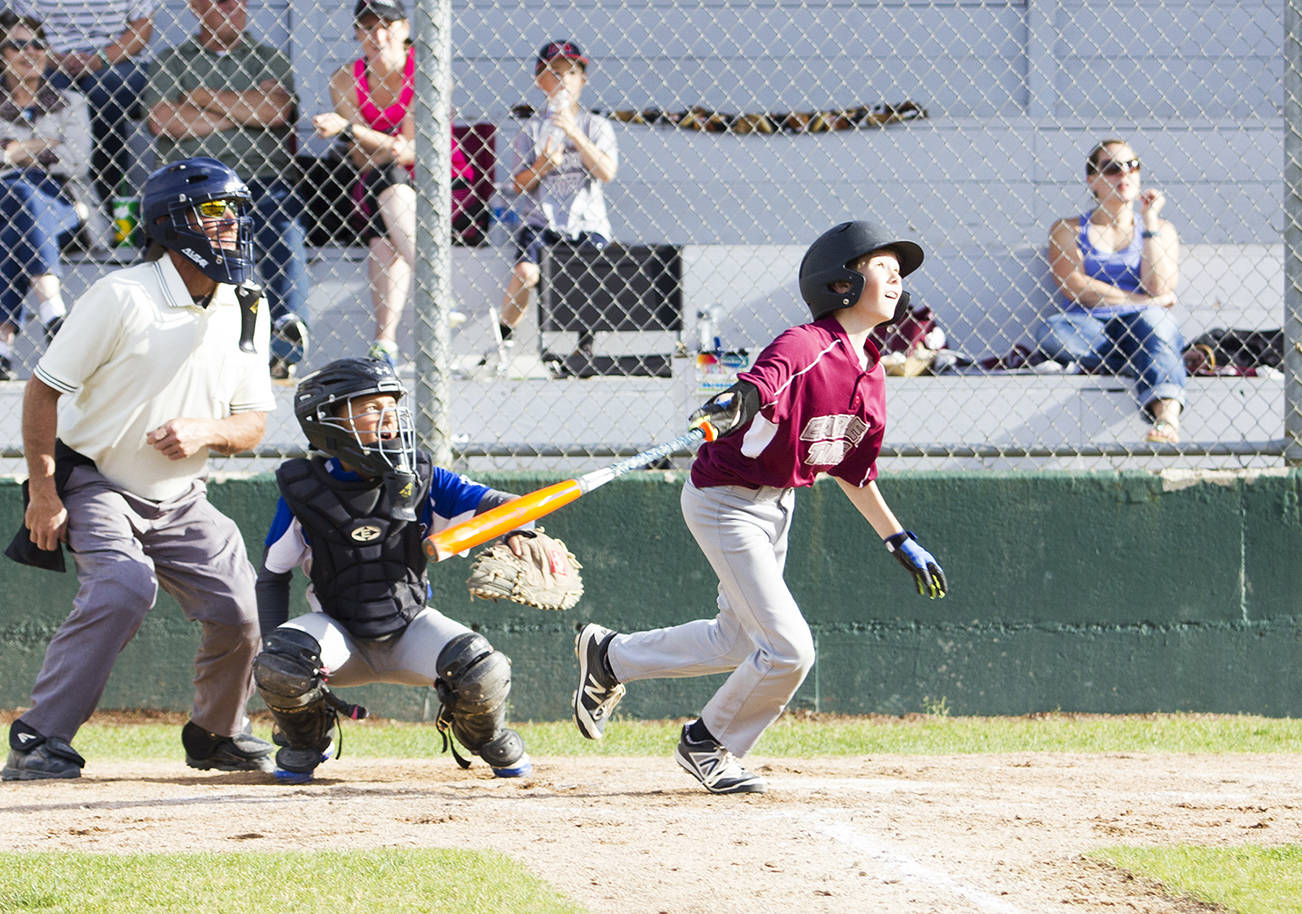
{"x":289,"y":679}
{"x":474,"y":682}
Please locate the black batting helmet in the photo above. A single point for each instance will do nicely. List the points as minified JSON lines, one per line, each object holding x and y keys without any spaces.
{"x":829,"y":257}
{"x":317,"y":401}
{"x":170,"y":196}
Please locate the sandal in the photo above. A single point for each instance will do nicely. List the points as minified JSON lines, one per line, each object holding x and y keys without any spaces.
{"x":1163,"y":432}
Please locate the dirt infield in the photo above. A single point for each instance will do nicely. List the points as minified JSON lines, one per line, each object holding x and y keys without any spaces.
{"x":899,"y":834}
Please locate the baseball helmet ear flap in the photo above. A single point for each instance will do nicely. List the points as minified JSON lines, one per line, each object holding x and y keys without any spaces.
{"x":829,"y":260}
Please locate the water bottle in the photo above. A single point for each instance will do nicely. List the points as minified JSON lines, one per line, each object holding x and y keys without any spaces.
{"x":126,"y":218}
{"x":556,"y":103}
{"x":706,"y":323}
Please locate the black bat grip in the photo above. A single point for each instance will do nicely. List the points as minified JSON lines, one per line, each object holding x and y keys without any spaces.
{"x":249,"y":295}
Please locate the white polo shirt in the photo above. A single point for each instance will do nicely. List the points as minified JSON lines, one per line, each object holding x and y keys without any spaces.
{"x":135,"y":352}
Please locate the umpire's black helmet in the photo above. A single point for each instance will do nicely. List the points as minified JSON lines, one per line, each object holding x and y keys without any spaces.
{"x":829,"y":257}
{"x":317,"y":401}
{"x":170,"y":196}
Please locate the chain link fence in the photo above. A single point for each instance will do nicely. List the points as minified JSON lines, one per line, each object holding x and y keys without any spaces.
{"x":732,"y":134}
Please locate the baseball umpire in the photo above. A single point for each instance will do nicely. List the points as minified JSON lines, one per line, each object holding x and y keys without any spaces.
{"x":151,"y":360}
{"x":353,"y":516}
{"x":814,"y":402}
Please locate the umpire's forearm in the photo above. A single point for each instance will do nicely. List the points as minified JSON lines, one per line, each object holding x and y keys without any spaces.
{"x":40,"y":427}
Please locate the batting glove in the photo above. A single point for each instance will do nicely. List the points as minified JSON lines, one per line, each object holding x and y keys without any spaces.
{"x":728,"y":411}
{"x":920,"y":563}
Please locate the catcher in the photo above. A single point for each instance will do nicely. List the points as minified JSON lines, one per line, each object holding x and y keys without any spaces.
{"x":353,"y":516}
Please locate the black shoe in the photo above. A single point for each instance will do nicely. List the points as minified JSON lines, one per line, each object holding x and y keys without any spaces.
{"x":7,"y":372}
{"x":33,"y":757}
{"x":715,"y":767}
{"x":242,"y":752}
{"x":598,"y":692}
{"x":288,"y":347}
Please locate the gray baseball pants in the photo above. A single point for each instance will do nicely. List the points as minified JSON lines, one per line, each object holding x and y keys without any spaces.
{"x":759,"y":633}
{"x":125,"y":548}
{"x":408,"y":659}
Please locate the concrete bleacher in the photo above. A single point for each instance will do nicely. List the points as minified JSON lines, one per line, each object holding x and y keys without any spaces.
{"x":752,"y":290}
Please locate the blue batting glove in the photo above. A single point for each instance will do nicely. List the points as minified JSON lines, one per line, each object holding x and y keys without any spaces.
{"x":920,"y":563}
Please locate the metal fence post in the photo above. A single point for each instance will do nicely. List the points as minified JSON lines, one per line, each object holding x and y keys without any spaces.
{"x":432,"y":288}
{"x":1293,"y":233}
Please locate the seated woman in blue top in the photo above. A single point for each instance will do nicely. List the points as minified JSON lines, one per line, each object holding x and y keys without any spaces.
{"x":1117,"y":272}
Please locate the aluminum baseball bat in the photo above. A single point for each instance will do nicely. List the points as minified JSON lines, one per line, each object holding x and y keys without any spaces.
{"x":519,"y":511}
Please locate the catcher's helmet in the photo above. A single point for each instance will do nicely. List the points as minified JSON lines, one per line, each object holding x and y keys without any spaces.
{"x":316,"y":404}
{"x":169,"y":198}
{"x":829,"y":257}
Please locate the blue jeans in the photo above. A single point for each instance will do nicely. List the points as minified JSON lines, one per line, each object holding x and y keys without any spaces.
{"x":1146,"y":345}
{"x":280,"y":247}
{"x":35,"y":223}
{"x":114,"y":97}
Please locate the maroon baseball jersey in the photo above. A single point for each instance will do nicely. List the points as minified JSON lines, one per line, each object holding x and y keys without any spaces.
{"x":820,"y":412}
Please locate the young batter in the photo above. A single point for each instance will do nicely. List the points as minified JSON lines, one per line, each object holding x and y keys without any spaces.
{"x":813,"y":402}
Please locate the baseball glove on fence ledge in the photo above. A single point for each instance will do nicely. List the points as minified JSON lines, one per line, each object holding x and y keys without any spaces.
{"x":545,"y":577}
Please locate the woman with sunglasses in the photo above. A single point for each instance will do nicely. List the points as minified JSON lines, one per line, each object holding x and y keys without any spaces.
{"x":45,"y":191}
{"x":1116,"y":267}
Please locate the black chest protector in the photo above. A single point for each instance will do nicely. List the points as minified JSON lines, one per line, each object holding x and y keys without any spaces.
{"x":368,"y":568}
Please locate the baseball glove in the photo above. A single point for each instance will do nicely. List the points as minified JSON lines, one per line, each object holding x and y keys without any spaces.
{"x":545,"y":577}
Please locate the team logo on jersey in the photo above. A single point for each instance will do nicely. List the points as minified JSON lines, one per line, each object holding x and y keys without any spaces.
{"x":366,"y":533}
{"x":832,"y":438}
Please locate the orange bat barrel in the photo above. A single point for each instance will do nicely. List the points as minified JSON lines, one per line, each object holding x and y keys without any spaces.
{"x":505,"y":517}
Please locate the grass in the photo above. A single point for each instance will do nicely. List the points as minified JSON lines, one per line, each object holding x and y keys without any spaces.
{"x":1247,"y":880}
{"x":795,"y":735}
{"x":408,"y":881}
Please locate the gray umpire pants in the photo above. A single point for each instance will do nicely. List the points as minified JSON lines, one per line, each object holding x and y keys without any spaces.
{"x":125,"y":548}
{"x":759,"y":633}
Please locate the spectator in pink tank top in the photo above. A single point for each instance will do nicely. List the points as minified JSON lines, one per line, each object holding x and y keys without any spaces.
{"x":373,"y":115}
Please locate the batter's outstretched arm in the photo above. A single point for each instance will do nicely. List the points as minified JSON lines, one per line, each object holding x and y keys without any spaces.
{"x":869,"y":502}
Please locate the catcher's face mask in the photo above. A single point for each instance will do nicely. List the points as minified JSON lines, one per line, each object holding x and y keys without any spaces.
{"x":382,"y":443}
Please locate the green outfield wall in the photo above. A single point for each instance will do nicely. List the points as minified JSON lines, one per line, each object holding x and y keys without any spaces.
{"x":1116,"y":592}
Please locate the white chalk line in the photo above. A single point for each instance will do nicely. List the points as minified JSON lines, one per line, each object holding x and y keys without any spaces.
{"x":902,"y":864}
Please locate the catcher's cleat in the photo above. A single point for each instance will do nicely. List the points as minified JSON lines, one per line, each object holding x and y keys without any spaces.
{"x":715,"y":767}
{"x":298,"y":766}
{"x":520,"y":768}
{"x":208,"y":751}
{"x":599,"y":691}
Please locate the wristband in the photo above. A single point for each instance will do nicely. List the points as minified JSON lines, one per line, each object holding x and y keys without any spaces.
{"x":1146,"y":234}
{"x":347,"y":133}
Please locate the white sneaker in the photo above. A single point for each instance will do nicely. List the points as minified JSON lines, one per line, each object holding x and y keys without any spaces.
{"x":498,"y":359}
{"x":456,"y":319}
{"x":715,"y":767}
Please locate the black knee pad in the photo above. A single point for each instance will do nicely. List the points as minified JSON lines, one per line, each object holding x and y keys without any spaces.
{"x":289,"y":679}
{"x":474,"y":682}
{"x":288,"y":670}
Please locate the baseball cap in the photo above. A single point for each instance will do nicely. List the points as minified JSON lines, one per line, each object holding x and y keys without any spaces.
{"x":388,"y":10}
{"x":565,"y":49}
